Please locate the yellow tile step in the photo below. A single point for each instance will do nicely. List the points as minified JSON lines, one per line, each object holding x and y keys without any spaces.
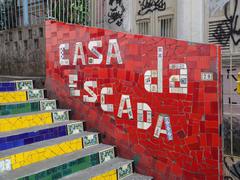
{"x":21,"y":96}
{"x":28,"y":120}
{"x":26,"y":155}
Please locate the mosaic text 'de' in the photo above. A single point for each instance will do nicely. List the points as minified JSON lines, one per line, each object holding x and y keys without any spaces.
{"x":156,"y":99}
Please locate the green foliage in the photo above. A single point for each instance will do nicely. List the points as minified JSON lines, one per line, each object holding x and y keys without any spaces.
{"x":71,"y":11}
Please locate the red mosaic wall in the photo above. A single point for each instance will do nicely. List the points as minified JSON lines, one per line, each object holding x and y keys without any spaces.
{"x":169,"y":117}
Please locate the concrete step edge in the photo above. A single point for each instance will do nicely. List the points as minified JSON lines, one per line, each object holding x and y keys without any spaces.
{"x":44,"y":89}
{"x":28,"y":101}
{"x":136,"y":176}
{"x":32,"y":113}
{"x":52,"y":163}
{"x":99,"y":169}
{"x":37,"y":128}
{"x":46,"y":143}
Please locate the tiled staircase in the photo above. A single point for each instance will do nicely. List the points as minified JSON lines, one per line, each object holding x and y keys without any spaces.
{"x":38,"y":141}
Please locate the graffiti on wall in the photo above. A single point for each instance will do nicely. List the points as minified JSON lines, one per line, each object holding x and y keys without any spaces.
{"x":154,"y":98}
{"x":116,"y":11}
{"x":229,"y":28}
{"x":238,"y":83}
{"x":231,"y":79}
{"x":232,"y":168}
{"x":147,"y":6}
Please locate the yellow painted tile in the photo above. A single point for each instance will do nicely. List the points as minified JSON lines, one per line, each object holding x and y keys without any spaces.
{"x":111,"y":175}
{"x":26,"y":158}
{"x":10,"y":97}
{"x":15,"y":123}
{"x":238,"y":84}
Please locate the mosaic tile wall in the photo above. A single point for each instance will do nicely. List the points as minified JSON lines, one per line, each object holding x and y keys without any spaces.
{"x":156,"y":99}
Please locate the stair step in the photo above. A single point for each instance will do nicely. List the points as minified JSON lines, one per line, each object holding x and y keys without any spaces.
{"x":32,"y":119}
{"x":16,"y":85}
{"x":64,"y":165}
{"x":27,"y":106}
{"x":21,"y":96}
{"x":23,"y":137}
{"x":40,"y":151}
{"x":136,"y":176}
{"x":112,"y":167}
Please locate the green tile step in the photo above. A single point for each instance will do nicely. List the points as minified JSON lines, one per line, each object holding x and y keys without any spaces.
{"x":123,"y":167}
{"x":61,"y":166}
{"x":27,"y":106}
{"x":40,"y":151}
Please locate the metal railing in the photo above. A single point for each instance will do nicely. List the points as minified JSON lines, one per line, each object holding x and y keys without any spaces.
{"x":18,"y":13}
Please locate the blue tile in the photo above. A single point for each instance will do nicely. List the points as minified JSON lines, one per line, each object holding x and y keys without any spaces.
{"x":7,"y":86}
{"x":32,"y":137}
{"x":2,"y":140}
{"x":39,"y":138}
{"x":28,"y":141}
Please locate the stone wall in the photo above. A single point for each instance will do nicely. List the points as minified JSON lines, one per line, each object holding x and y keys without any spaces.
{"x":22,"y":51}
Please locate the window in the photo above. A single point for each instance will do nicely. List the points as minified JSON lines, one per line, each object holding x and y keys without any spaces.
{"x":25,"y":44}
{"x":10,"y":36}
{"x":216,"y":35}
{"x":144,"y":26}
{"x":20,"y":35}
{"x":165,"y":26}
{"x":40,"y":32}
{"x":36,"y":43}
{"x":16,"y":45}
{"x":30,"y":34}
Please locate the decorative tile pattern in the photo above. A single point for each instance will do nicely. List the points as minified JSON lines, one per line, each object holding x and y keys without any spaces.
{"x":24,"y":85}
{"x":29,"y":157}
{"x":22,"y":122}
{"x":75,"y":128}
{"x":5,"y":165}
{"x":164,"y":74}
{"x":125,"y":171}
{"x":48,"y":105}
{"x":67,"y":168}
{"x":14,"y":141}
{"x":106,"y":155}
{"x":207,"y":76}
{"x":238,"y":83}
{"x":60,"y":116}
{"x":90,"y":140}
{"x":35,"y":94}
